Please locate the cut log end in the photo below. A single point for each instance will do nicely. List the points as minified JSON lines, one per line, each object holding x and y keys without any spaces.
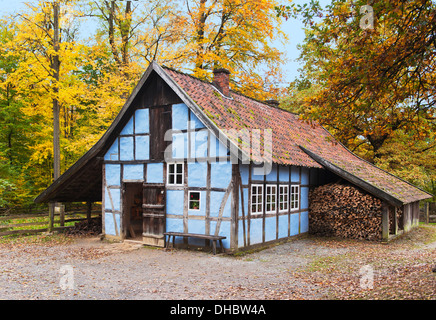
{"x":342,"y":210}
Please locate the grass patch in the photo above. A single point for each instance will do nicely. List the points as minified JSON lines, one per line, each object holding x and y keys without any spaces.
{"x":430,"y":232}
{"x":327,"y":264}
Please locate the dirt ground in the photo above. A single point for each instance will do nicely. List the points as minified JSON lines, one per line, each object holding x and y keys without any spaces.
{"x":59,"y":267}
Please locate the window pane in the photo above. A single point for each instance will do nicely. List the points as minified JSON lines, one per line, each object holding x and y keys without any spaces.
{"x":194,"y":200}
{"x":171,"y":179}
{"x":179,"y":168}
{"x":179,"y":179}
{"x":257,"y":198}
{"x":171,"y":168}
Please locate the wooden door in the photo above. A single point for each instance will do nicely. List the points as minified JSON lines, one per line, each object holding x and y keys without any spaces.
{"x":153,"y":205}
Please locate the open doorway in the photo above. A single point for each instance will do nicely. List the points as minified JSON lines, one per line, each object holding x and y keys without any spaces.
{"x":132,"y":211}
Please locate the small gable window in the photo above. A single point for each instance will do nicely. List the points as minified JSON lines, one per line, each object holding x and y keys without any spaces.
{"x":175,"y":174}
{"x":194,"y":200}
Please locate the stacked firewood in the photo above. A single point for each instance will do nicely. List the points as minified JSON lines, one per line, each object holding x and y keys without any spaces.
{"x":342,"y":210}
{"x":83,"y":228}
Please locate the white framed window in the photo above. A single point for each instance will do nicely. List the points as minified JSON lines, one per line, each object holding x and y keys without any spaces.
{"x":283,"y":198}
{"x":194,"y":200}
{"x":256,"y":198}
{"x":295,"y":197}
{"x":175,"y":174}
{"x":271,"y":198}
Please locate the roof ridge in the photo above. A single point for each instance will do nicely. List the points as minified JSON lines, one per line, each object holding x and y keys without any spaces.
{"x":185,"y":74}
{"x":233,"y":91}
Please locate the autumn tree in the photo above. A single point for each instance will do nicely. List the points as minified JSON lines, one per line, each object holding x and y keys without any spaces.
{"x":89,"y":77}
{"x":45,"y":82}
{"x":136,"y":32}
{"x":198,"y":36}
{"x":236,"y":35}
{"x":374,"y":80}
{"x":411,"y":159}
{"x":372,"y":71}
{"x":15,"y":127}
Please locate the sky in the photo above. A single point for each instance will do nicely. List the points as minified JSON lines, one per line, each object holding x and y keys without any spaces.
{"x":293,"y":28}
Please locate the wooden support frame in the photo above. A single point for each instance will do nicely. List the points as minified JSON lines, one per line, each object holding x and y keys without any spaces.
{"x":51,"y":214}
{"x":395,"y":220}
{"x":385,"y":222}
{"x":234,"y":224}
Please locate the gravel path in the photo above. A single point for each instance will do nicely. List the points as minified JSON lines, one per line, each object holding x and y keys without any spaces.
{"x":87,"y":268}
{"x":124,"y":271}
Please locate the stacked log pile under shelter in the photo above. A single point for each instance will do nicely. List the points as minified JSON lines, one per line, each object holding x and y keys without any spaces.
{"x":342,"y":210}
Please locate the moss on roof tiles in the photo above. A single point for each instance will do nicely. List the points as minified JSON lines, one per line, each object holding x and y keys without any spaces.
{"x":289,"y":133}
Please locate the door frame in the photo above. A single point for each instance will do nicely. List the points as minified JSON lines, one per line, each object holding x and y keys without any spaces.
{"x":125,"y":219}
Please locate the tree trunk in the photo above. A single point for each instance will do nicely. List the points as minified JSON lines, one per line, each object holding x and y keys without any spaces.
{"x":56,"y":111}
{"x":199,"y":63}
{"x":125,"y":32}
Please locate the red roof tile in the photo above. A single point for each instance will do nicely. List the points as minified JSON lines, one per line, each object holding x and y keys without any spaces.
{"x":288,"y":134}
{"x":289,"y":137}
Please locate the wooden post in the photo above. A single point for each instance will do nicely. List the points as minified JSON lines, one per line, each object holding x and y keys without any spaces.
{"x":88,"y":212}
{"x":235,"y":208}
{"x":427,"y":212}
{"x":51,"y":212}
{"x":61,"y":209}
{"x":385,"y":222}
{"x":395,"y":217}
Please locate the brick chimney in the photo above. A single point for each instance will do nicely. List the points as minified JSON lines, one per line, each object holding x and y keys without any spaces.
{"x":221,"y":80}
{"x":272,"y":103}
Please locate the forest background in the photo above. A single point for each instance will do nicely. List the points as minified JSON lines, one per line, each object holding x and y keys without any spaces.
{"x":373,"y":87}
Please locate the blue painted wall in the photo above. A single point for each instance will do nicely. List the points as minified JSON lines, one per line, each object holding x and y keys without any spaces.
{"x":133,"y":143}
{"x":123,"y":147}
{"x":274,"y":226}
{"x":155,"y":172}
{"x":133,"y":172}
{"x":194,"y":145}
{"x":197,"y":177}
{"x":197,"y":174}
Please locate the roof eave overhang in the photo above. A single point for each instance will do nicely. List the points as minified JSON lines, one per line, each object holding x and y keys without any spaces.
{"x":354,"y":179}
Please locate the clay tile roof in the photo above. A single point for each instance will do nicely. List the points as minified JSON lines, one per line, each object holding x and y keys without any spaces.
{"x":294,"y":142}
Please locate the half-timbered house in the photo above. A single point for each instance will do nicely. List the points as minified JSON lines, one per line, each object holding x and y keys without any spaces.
{"x":188,"y":156}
